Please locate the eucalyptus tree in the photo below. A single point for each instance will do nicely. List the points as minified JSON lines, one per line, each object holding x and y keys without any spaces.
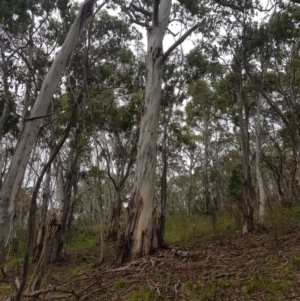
{"x":108,"y":73}
{"x":15,"y":175}
{"x":118,"y":143}
{"x":278,"y":51}
{"x":112,"y":112}
{"x":140,"y":233}
{"x":241,"y":42}
{"x":173,"y":95}
{"x":199,"y":111}
{"x":186,"y":142}
{"x":233,"y":89}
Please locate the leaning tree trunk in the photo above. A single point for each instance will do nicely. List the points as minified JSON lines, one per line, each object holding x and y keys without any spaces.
{"x":31,"y":128}
{"x":140,"y":233}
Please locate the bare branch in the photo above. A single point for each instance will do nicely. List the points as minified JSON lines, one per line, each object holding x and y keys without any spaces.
{"x":179,"y":41}
{"x":45,"y":291}
{"x":141,"y":10}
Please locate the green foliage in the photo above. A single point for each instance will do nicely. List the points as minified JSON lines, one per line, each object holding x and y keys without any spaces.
{"x":202,"y":63}
{"x":183,"y":136}
{"x":14,"y":12}
{"x":12,"y":119}
{"x":286,"y":25}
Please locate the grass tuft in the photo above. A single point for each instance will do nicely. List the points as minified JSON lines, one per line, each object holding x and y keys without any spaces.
{"x":118,"y":284}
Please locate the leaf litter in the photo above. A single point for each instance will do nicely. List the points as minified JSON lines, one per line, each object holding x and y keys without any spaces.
{"x":258,"y":266}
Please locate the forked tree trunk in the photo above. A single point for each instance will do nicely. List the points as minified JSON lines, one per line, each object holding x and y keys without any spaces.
{"x":31,"y":128}
{"x":140,"y":233}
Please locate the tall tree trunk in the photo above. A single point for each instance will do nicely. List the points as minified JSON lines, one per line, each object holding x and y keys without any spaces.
{"x":261,"y":217}
{"x":140,"y":233}
{"x":42,"y":224}
{"x":30,"y":131}
{"x":115,"y":217}
{"x":206,"y":194}
{"x":246,"y":182}
{"x":7,"y":100}
{"x":72,"y":176}
{"x":163,"y":196}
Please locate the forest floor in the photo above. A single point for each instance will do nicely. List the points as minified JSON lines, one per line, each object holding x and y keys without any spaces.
{"x":258,"y":266}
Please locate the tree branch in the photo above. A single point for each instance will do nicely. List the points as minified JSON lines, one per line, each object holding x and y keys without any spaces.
{"x":141,"y":10}
{"x":155,"y":13}
{"x":178,"y":42}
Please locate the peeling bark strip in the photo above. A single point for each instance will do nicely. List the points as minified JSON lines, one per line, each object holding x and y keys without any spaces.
{"x":30,"y":131}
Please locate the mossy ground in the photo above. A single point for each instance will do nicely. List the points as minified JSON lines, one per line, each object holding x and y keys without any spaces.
{"x":222,"y":264}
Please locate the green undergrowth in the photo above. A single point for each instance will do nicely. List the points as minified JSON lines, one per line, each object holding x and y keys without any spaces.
{"x":262,"y":281}
{"x":181,"y":228}
{"x":143,"y":294}
{"x":118,"y":284}
{"x":278,"y":216}
{"x":85,"y":239}
{"x":84,"y":246}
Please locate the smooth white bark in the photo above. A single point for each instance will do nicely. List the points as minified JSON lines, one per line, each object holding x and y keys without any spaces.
{"x":142,"y":225}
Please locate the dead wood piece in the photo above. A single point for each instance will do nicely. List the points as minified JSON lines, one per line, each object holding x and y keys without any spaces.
{"x":91,"y":293}
{"x":223,"y":275}
{"x":49,"y":290}
{"x":126,"y":267}
{"x":180,"y":253}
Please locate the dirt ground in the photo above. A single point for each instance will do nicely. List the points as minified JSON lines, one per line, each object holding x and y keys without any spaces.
{"x":258,"y":266}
